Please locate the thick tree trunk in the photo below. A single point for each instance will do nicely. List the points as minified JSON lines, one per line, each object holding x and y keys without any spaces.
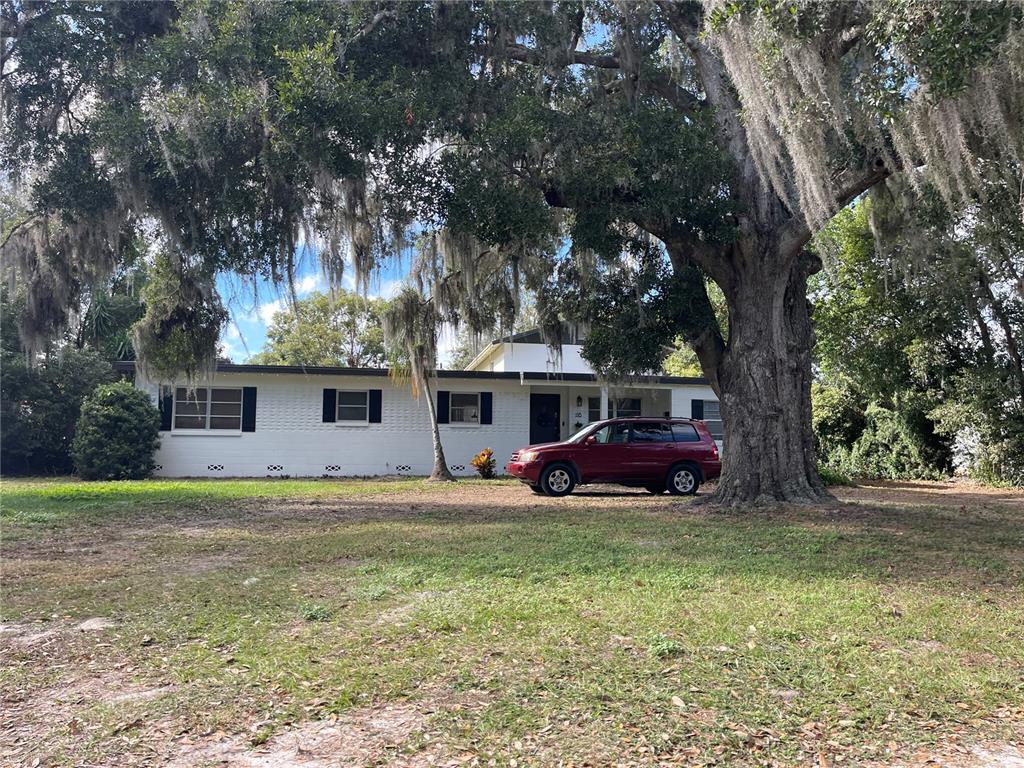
{"x":440,"y":471}
{"x":765,"y":380}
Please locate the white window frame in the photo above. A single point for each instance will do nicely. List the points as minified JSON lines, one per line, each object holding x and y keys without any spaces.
{"x":451,"y":410}
{"x":338,"y":405}
{"x":209,"y":406}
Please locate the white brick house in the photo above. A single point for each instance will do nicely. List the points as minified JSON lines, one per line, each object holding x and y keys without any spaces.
{"x":258,"y":421}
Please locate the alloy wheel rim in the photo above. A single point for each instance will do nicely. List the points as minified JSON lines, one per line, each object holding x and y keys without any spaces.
{"x":683,"y":480}
{"x":558,"y":480}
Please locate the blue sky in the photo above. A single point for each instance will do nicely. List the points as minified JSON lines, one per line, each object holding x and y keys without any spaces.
{"x":252,"y":307}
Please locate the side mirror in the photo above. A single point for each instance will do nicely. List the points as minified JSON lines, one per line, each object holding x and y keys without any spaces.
{"x":590,"y":440}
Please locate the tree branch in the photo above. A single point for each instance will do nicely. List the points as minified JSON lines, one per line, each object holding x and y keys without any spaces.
{"x":850,"y":183}
{"x":16,"y":227}
{"x":657,"y":83}
{"x":526,"y":55}
{"x":697,"y":321}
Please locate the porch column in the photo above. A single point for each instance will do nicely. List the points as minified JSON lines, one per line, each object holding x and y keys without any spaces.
{"x":604,"y":401}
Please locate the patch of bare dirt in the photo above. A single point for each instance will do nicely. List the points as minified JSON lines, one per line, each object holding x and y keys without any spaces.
{"x":959,"y":756}
{"x":952,"y":493}
{"x":396,"y":734}
{"x":405,"y":611}
{"x":33,"y":715}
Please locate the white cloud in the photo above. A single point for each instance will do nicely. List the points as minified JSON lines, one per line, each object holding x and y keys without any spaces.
{"x":308,"y":284}
{"x":267,"y":311}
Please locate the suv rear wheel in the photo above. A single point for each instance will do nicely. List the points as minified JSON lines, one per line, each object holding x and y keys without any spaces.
{"x":557,"y":480}
{"x":683,"y":480}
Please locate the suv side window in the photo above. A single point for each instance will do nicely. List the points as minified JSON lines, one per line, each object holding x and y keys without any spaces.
{"x":685,"y":433}
{"x":652,"y":432}
{"x":616,"y":433}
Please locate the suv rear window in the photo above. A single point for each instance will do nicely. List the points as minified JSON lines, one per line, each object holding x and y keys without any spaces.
{"x":685,"y":433}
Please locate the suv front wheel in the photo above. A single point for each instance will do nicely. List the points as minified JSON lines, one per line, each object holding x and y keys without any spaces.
{"x":557,"y":480}
{"x":683,"y":480}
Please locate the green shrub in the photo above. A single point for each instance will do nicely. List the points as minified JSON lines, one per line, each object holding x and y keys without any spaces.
{"x":117,"y":434}
{"x":832,"y":477}
{"x":837,"y":418}
{"x":891,"y":447}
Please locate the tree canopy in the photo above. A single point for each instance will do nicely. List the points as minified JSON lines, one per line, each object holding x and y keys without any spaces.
{"x":340,"y":330}
{"x":729,"y":132}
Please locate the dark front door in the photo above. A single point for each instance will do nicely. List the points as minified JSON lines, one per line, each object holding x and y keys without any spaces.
{"x":545,"y":418}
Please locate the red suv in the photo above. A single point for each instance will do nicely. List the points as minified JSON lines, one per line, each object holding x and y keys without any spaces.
{"x":656,"y":454}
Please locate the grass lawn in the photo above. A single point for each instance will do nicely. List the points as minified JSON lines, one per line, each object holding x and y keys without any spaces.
{"x":259,"y":623}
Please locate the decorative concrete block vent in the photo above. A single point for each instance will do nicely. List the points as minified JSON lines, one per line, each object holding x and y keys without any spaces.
{"x":214,"y":467}
{"x":458,"y":468}
{"x":332,"y":468}
{"x":275,"y":468}
{"x":403,"y":468}
{"x":157,"y":467}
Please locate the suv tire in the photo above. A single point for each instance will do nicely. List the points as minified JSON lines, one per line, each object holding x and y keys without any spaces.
{"x":683,"y":480}
{"x":557,"y":480}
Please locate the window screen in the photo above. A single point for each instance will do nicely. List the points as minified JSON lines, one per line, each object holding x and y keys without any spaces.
{"x":465,"y":408}
{"x":208,"y":408}
{"x":713,"y":418}
{"x":353,"y":405}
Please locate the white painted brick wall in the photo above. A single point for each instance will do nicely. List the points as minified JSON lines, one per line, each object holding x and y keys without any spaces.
{"x":290,"y":431}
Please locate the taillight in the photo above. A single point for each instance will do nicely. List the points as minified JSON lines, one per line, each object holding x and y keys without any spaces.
{"x":714,"y":449}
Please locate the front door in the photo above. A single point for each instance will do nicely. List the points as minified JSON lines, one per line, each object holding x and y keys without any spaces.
{"x":545,"y":418}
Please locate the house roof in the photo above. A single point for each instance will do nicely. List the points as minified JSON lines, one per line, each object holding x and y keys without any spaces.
{"x":128,"y":366}
{"x":570,"y":336}
{"x":571,"y":333}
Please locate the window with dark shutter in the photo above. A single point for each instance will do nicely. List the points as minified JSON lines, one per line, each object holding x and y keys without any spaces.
{"x":330,"y":413}
{"x":443,"y":403}
{"x":697,"y":409}
{"x":375,"y":406}
{"x":486,"y":407}
{"x":248,"y":409}
{"x":166,"y":409}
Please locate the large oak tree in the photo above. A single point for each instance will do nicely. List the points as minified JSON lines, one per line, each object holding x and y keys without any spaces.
{"x":725,"y":133}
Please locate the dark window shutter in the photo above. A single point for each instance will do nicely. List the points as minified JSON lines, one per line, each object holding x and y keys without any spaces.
{"x":330,"y":405}
{"x":375,"y":406}
{"x":486,"y":406}
{"x":443,"y":401}
{"x":166,"y":409}
{"x":248,"y":409}
{"x":696,"y":409}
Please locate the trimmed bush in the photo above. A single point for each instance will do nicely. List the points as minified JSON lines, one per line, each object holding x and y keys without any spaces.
{"x":117,"y":434}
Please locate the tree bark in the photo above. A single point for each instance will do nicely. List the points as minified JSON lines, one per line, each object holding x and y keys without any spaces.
{"x":440,"y":472}
{"x":765,"y":380}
